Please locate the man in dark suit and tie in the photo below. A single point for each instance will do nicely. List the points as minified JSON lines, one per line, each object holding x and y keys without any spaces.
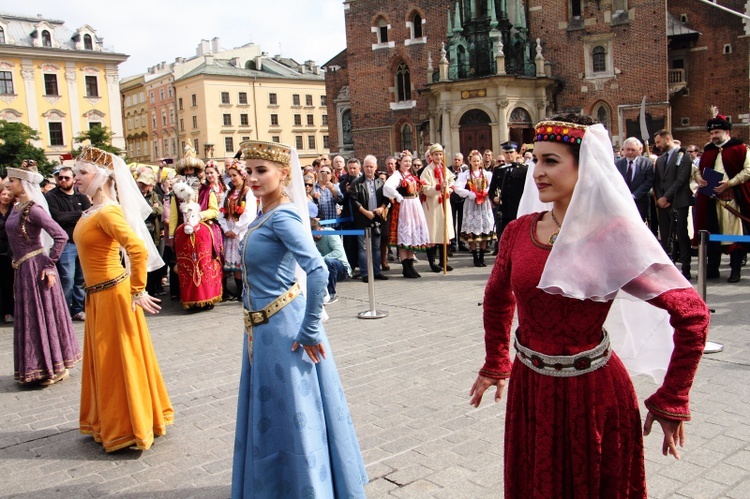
{"x":368,"y":208}
{"x":673,"y":195}
{"x":638,"y":172}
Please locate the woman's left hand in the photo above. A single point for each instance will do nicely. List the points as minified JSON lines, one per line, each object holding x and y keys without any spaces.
{"x":674,"y":433}
{"x":148,"y":303}
{"x":312,"y":351}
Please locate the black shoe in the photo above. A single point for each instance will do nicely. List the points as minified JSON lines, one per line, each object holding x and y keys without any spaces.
{"x":734,"y":277}
{"x":463,"y":247}
{"x":712,"y":274}
{"x":365,"y":279}
{"x":687,"y":276}
{"x":381,"y":277}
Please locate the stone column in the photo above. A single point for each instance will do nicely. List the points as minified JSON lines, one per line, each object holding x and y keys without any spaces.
{"x":115,"y":111}
{"x":502,"y":123}
{"x":74,"y":98}
{"x":27,"y":73}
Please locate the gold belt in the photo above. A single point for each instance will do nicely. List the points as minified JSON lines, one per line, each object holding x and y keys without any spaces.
{"x":17,"y":263}
{"x":106,"y":284}
{"x":258,"y":317}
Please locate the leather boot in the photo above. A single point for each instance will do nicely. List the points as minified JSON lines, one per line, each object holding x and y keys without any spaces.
{"x":474,"y":254}
{"x":481,"y":258}
{"x":431,"y":259}
{"x":409,"y":271}
{"x":440,"y":263}
{"x":735,"y":264}
{"x":414,"y":272}
{"x":238,"y":294}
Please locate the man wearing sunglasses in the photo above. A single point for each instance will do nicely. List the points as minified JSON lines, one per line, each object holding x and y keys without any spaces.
{"x":65,"y":206}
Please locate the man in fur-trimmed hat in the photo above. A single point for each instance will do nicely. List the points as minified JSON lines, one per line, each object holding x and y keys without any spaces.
{"x":728,"y":210}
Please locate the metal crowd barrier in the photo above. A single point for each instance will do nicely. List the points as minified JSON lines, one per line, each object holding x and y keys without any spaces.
{"x":705,"y":237}
{"x":372,"y":312}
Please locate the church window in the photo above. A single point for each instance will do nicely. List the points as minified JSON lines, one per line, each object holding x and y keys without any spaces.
{"x":403,"y":82}
{"x":382,"y":31}
{"x":599,"y":59}
{"x":416,"y":26}
{"x":406,"y":137}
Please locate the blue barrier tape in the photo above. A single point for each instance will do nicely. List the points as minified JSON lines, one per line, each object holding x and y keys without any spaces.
{"x":727,"y":238}
{"x":352,"y":232}
{"x":334,"y":221}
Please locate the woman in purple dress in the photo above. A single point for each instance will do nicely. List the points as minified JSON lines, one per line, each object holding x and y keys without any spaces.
{"x":44,"y":342}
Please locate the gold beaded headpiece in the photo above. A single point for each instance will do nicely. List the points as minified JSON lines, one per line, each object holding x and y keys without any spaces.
{"x":270,"y":151}
{"x":190,"y":160}
{"x":102,"y":159}
{"x":28,"y":171}
{"x":559,"y":131}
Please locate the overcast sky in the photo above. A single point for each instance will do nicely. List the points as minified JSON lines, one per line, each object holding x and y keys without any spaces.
{"x":151,"y":31}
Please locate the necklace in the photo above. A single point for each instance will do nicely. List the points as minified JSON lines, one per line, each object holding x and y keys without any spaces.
{"x":553,"y":237}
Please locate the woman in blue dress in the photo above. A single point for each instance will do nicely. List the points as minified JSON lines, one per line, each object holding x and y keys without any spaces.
{"x":294,"y":436}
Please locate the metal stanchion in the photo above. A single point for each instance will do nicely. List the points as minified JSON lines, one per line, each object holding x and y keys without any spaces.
{"x":371,"y":313}
{"x":711,"y":346}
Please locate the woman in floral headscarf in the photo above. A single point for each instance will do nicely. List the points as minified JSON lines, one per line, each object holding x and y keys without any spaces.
{"x":238,"y":210}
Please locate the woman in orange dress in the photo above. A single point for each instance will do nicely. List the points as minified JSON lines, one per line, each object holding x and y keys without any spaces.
{"x":123,"y":398}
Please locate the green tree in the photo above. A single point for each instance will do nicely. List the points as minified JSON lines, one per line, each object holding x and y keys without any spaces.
{"x":15,"y":146}
{"x":99,"y":137}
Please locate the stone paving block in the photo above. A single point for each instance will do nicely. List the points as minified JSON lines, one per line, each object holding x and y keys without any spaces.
{"x":702,"y":489}
{"x":741,"y":490}
{"x":417,"y":490}
{"x":660,"y":486}
{"x":725,"y":474}
{"x":378,"y":470}
{"x":112,"y":487}
{"x":379,"y":487}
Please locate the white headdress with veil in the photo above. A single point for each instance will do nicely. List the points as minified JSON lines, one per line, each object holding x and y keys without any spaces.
{"x":30,"y":179}
{"x":125,"y":191}
{"x":604,"y":250}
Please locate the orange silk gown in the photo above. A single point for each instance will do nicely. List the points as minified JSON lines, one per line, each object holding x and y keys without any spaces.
{"x":123,"y":398}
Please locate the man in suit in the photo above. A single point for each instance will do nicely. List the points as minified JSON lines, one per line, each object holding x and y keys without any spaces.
{"x":673,"y":195}
{"x":638,"y":173}
{"x":353,"y":170}
{"x":368,"y":208}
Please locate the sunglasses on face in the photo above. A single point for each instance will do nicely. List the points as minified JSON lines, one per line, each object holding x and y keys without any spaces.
{"x":64,"y":178}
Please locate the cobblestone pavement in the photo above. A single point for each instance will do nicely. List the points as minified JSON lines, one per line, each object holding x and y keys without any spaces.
{"x":407,"y":379}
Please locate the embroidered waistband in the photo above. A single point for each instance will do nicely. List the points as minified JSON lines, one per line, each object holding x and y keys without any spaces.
{"x":564,"y":366}
{"x":255,"y":318}
{"x":17,"y":263}
{"x":106,"y":284}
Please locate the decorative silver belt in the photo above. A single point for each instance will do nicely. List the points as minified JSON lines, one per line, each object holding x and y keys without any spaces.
{"x":565,"y":366}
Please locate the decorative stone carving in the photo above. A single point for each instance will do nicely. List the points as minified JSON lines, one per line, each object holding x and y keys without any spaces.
{"x":27,"y":74}
{"x":502,"y":103}
{"x":49,"y":68}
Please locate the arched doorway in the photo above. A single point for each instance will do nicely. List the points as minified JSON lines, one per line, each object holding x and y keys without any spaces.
{"x":474,"y":131}
{"x":521,"y":128}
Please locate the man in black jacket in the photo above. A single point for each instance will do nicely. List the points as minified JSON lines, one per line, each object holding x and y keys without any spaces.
{"x":368,"y":207}
{"x":66,"y":205}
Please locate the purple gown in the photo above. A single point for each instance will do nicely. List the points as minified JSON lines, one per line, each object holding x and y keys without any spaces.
{"x":44,"y":341}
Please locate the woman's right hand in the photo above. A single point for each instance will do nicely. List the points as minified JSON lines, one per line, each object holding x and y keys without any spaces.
{"x":481,"y":384}
{"x":148,"y":303}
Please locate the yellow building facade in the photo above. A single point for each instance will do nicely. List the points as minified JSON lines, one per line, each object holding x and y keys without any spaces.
{"x":135,"y":118}
{"x":58,"y":81}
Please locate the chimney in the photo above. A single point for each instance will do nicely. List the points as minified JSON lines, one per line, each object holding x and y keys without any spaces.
{"x":209,"y":59}
{"x":215,"y":45}
{"x":259,"y":63}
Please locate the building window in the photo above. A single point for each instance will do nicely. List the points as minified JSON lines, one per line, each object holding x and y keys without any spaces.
{"x":174,"y":146}
{"x":2,"y":35}
{"x":403,"y":82}
{"x":244,"y":120}
{"x":194,"y":100}
{"x":406,"y":134}
{"x":295,"y":100}
{"x":142,"y":97}
{"x":273,"y":100}
{"x":163,"y":118}
{"x":229,"y":144}
{"x":416,"y":29}
{"x":274,"y":120}
{"x":323,"y":101}
{"x":6,"y":82}
{"x":127,"y":101}
{"x":243,"y":98}
{"x":325,"y":141}
{"x":225,"y":97}
{"x":599,"y":59}
{"x":382,"y":31}
{"x":227,"y":120}
{"x":275,"y":138}
{"x":150,"y":97}
{"x":94,"y":124}
{"x":46,"y":39}
{"x":311,"y":142}
{"x":601,"y":111}
{"x":325,"y":119}
{"x":137,"y":122}
{"x":50,"y":84}
{"x":171,"y":116}
{"x":182,"y":125}
{"x":298,"y":142}
{"x":169,"y":92}
{"x":92,"y":86}
{"x":308,"y":100}
{"x":297,"y":120}
{"x":310,"y":120}
{"x":179,"y":103}
{"x":153,"y":120}
{"x":245,"y":139}
{"x":161,"y":94}
{"x":575,"y":9}
{"x":156,"y":149}
{"x":195,"y":122}
{"x":138,"y":148}
{"x":88,"y":43}
{"x":56,"y":134}
{"x":195,"y":145}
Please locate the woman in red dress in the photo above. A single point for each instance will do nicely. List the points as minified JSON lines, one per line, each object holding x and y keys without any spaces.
{"x":573,"y":427}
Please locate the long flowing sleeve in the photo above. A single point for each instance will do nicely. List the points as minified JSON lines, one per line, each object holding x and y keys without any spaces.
{"x":390,"y":186}
{"x":113,"y":223}
{"x":499,"y":307}
{"x":251,"y":211}
{"x":213,"y":208}
{"x":39,"y":217}
{"x":460,"y":187}
{"x":689,"y":317}
{"x":287,"y":225}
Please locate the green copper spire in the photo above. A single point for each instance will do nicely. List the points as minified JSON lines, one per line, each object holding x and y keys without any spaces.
{"x":493,"y":15}
{"x":457,"y":20}
{"x":449,"y":32}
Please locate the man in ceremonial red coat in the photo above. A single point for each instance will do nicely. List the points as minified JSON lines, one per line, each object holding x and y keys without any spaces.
{"x":723,"y":213}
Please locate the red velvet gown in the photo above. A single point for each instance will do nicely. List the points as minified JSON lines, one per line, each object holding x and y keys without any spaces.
{"x":577,"y":436}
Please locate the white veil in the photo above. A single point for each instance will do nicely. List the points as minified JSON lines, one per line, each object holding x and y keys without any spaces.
{"x":35,"y":193}
{"x":604,"y":247}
